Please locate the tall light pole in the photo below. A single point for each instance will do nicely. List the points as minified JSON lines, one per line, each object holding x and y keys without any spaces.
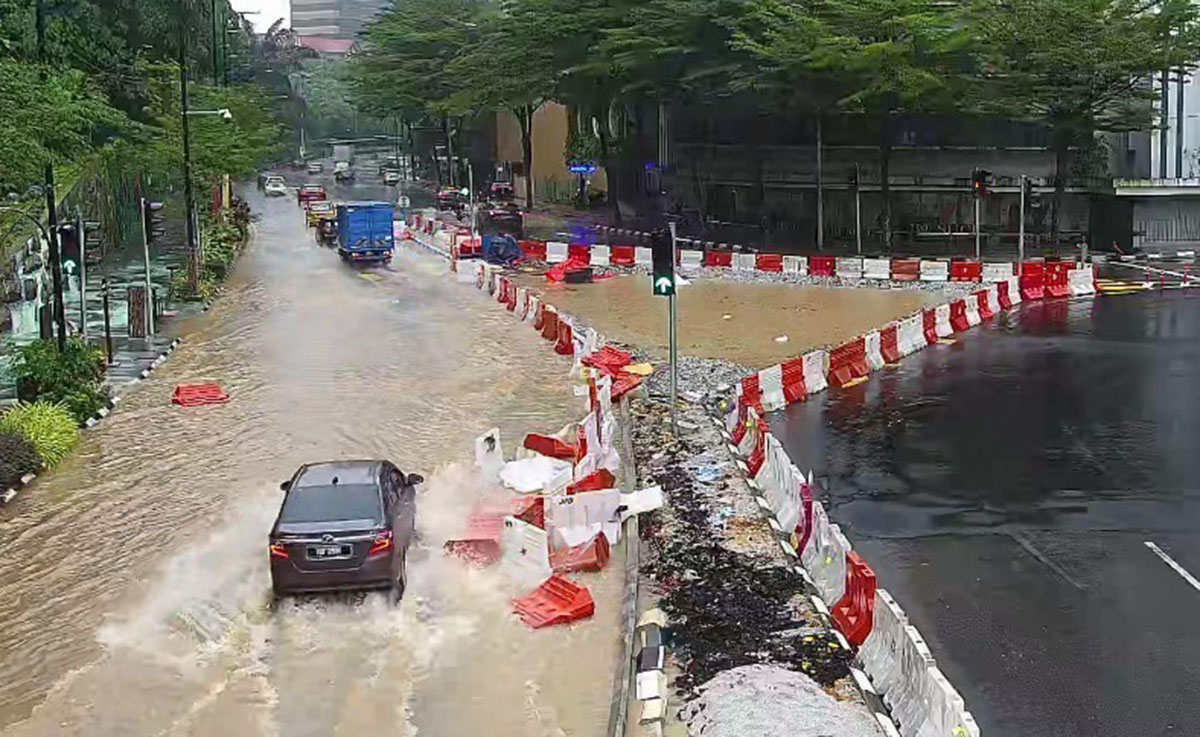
{"x":60,"y":317}
{"x":193,"y":267}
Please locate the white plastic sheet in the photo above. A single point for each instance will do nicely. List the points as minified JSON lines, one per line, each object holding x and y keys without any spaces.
{"x":535,"y":473}
{"x":577,"y":518}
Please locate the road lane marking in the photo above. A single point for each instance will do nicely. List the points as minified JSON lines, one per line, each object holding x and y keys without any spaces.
{"x":1171,"y":562}
{"x":1042,"y":558}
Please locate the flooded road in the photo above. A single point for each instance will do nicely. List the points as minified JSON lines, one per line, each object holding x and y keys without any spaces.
{"x":1014,"y":492}
{"x":134,"y":589}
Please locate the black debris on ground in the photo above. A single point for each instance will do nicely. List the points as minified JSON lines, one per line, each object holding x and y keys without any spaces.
{"x":725,"y":608}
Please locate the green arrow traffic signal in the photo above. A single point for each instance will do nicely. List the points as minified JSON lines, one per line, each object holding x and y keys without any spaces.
{"x":664,"y":285}
{"x":663,"y":256}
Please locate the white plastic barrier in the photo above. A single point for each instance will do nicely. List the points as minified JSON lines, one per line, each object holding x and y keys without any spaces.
{"x":795,"y":265}
{"x":524,"y":553}
{"x":753,"y":434}
{"x":874,"y":356}
{"x":691,"y":259}
{"x":935,"y":270}
{"x":848,"y":267}
{"x":996,"y":272}
{"x":577,"y":518}
{"x":522,"y":303}
{"x":600,"y":256}
{"x":818,"y":525}
{"x":947,"y":713}
{"x":770,"y":385}
{"x":556,"y":253}
{"x":815,"y":365}
{"x":907,"y":697}
{"x":534,"y":303}
{"x":993,"y":298}
{"x":775,"y":478}
{"x":880,"y":654}
{"x":828,"y":569}
{"x":731,"y":417}
{"x":942,"y":321}
{"x":910,"y":336}
{"x":443,"y":239}
{"x":972,"y":309}
{"x":1014,"y":290}
{"x":744,"y":262}
{"x":643,"y":256}
{"x":877,"y":268}
{"x":1080,"y":282}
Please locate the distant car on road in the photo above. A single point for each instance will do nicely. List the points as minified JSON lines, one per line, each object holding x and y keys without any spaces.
{"x":275,"y":187}
{"x":315,"y":167}
{"x":391,"y":176}
{"x":344,"y":525}
{"x":342,"y":172}
{"x":310,"y":193}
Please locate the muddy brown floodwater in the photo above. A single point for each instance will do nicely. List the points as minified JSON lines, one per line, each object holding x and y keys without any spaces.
{"x":623,"y":309}
{"x":134,"y":593}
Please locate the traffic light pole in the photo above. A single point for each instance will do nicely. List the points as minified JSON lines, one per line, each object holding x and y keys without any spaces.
{"x":673,"y":337}
{"x":977,"y":233}
{"x":146,"y":258}
{"x":1021,"y":230}
{"x":858,"y":208}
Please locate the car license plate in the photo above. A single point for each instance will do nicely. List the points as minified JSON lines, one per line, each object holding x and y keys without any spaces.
{"x":327,"y":551}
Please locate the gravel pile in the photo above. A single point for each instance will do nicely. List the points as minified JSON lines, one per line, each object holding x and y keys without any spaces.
{"x":768,"y":701}
{"x":729,"y":593}
{"x":702,"y":376}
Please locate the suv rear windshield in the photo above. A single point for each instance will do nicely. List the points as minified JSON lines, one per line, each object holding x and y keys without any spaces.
{"x":332,"y":504}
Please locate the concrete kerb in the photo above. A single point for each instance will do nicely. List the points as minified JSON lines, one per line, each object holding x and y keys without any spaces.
{"x":628,"y":668}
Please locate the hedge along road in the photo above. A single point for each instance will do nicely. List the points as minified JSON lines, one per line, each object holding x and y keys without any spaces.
{"x":134,"y":592}
{"x":1005,"y":488}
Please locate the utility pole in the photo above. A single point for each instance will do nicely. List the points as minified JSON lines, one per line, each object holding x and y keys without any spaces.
{"x":1179,"y":123}
{"x":212,"y":14}
{"x":1164,"y":125}
{"x":858,"y":208}
{"x":82,"y":235}
{"x":820,"y":191}
{"x":60,"y":317}
{"x":673,"y":334}
{"x":193,"y":267}
{"x":1021,"y":229}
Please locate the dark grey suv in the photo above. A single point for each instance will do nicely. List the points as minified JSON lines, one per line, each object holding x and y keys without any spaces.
{"x":344,"y":525}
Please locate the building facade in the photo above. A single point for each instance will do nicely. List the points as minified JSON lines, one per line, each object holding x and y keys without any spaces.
{"x":334,"y":18}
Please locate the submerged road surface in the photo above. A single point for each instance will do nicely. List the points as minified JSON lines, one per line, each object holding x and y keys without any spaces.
{"x":1031,"y":496}
{"x":134,"y":592}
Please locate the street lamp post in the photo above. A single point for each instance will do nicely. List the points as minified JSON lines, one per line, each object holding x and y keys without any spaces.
{"x":60,"y":317}
{"x":193,"y":268}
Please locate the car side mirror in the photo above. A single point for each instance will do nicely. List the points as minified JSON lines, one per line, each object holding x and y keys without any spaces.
{"x":415,"y":478}
{"x":285,"y":486}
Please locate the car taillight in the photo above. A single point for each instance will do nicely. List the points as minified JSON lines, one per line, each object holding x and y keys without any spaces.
{"x":382,"y":543}
{"x":278,"y":550}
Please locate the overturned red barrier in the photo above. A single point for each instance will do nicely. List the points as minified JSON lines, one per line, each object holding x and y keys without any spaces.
{"x":548,"y":446}
{"x":848,"y":362}
{"x":929,"y":323}
{"x":557,"y":601}
{"x":594,"y":481}
{"x":608,"y":360}
{"x":752,"y":392}
{"x":558,"y":272}
{"x":1032,"y":280}
{"x":198,"y":395}
{"x":769,"y":262}
{"x":590,"y":556}
{"x":985,"y":305}
{"x":966,"y":270}
{"x":565,"y":344}
{"x":718,"y":258}
{"x":793,"y":380}
{"x":480,"y":544}
{"x":622,"y":256}
{"x":958,"y":316}
{"x":1002,"y":295}
{"x":821,"y":265}
{"x":889,"y":343}
{"x":534,"y":250}
{"x":531,"y":509}
{"x":853,"y":615}
{"x":906,"y":269}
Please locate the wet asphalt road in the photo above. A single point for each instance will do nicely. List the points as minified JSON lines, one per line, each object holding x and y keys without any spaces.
{"x":1004,"y":489}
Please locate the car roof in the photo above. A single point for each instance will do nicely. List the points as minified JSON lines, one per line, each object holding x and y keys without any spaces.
{"x":347,"y":473}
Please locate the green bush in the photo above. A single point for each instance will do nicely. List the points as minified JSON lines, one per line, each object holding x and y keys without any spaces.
{"x":208,"y":286}
{"x":17,"y":458}
{"x":50,"y":428}
{"x":74,"y":377}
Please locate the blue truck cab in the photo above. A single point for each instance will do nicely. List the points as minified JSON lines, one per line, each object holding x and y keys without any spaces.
{"x":364,"y":231}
